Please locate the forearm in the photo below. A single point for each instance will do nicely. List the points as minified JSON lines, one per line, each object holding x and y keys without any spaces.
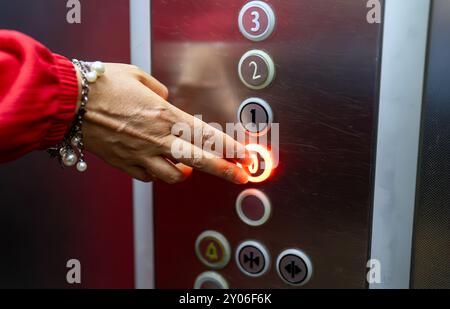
{"x":38,"y":95}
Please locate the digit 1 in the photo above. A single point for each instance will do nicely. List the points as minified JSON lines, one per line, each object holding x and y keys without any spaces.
{"x":253,"y":111}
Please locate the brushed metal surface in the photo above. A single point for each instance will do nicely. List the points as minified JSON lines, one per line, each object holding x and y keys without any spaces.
{"x":325,"y":98}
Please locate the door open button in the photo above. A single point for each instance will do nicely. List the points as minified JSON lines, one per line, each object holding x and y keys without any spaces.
{"x":294,"y":267}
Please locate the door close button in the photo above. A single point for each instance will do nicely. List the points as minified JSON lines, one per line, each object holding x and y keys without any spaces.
{"x":252,"y":258}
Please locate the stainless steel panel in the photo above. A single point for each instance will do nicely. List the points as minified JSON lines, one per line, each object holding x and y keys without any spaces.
{"x":325,"y":99}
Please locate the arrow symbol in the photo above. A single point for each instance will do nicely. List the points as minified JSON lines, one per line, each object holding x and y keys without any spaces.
{"x":251,"y":259}
{"x":293,"y":269}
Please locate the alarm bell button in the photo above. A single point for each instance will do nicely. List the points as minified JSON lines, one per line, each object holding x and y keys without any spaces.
{"x":213,"y":249}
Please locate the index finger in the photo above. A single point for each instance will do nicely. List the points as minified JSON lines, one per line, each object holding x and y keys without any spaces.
{"x":186,"y":153}
{"x":204,"y":136}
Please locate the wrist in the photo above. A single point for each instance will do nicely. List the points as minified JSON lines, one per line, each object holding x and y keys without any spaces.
{"x":80,"y":88}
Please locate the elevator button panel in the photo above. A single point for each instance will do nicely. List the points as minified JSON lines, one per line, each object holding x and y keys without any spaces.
{"x":294,"y":267}
{"x":299,"y":81}
{"x":252,"y":258}
{"x":255,"y":115}
{"x":256,"y":69}
{"x":213,"y":249}
{"x":253,"y":207}
{"x":256,"y":21}
{"x":210,"y":280}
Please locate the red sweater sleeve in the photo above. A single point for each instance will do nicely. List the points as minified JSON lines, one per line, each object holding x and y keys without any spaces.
{"x":38,"y":95}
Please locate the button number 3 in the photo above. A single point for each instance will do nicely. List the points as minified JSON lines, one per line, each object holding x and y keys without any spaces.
{"x":255,"y":20}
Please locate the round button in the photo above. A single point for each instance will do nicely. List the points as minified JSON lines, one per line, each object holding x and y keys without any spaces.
{"x":256,"y":21}
{"x":210,"y":280}
{"x":252,"y":258}
{"x":253,"y":207}
{"x":256,"y":69}
{"x":213,"y":249}
{"x":261,"y":168}
{"x":255,"y":115}
{"x":294,"y":267}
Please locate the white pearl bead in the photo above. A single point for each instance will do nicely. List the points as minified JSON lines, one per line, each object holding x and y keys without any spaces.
{"x":62,"y":151}
{"x":82,"y":166}
{"x":75,"y":141}
{"x":99,"y":67}
{"x":91,"y":76}
{"x":70,"y":159}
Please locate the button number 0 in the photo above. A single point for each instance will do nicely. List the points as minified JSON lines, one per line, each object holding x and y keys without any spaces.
{"x":255,"y":21}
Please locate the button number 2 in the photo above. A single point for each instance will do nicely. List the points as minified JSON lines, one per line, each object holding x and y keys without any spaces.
{"x":255,"y":70}
{"x":255,"y":20}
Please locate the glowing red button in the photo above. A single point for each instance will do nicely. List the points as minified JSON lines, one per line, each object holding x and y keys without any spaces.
{"x":261,"y":168}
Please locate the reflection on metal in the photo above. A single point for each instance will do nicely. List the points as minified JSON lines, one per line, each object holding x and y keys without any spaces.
{"x":324,"y":97}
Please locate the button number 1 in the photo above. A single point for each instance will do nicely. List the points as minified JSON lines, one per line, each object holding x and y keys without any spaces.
{"x":253,"y":112}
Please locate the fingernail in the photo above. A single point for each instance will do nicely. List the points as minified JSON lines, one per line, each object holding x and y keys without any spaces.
{"x":241,"y":178}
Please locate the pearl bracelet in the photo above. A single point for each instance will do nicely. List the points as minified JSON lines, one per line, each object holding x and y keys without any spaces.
{"x":70,"y":151}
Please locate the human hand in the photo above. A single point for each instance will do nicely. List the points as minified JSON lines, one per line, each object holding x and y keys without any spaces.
{"x":129,"y":124}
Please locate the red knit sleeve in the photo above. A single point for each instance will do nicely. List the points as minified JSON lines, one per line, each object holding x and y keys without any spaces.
{"x":38,"y":95}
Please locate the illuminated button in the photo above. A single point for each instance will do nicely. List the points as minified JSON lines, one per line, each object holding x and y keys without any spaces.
{"x":253,"y":207}
{"x":294,"y":267}
{"x":252,"y":258}
{"x":211,"y":280}
{"x":256,"y":69}
{"x":261,"y":168}
{"x":256,"y":21}
{"x":213,"y":249}
{"x":255,"y":115}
